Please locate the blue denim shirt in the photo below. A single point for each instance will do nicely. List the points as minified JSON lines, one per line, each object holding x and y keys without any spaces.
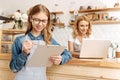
{"x":19,"y":58}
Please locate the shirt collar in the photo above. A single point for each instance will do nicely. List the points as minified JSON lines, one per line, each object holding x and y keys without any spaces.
{"x":32,"y":37}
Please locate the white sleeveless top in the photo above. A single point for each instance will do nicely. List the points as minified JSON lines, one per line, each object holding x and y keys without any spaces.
{"x":77,"y":43}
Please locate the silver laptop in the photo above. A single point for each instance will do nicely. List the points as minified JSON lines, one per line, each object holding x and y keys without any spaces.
{"x":94,"y":49}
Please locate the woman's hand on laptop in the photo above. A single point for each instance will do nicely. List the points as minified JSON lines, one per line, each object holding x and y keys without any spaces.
{"x":56,"y":59}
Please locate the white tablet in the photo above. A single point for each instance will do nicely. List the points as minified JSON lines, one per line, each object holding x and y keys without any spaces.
{"x":42,"y":54}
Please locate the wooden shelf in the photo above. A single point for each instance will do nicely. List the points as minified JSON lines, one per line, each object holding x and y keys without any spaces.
{"x":12,"y":31}
{"x":102,"y":22}
{"x":54,"y":23}
{"x":58,"y":24}
{"x":106,"y":22}
{"x":6,"y":56}
{"x":57,"y":12}
{"x":6,"y":42}
{"x":97,"y":10}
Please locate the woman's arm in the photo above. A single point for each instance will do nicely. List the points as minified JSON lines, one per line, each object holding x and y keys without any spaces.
{"x":70,"y":48}
{"x":60,"y":59}
{"x":19,"y":58}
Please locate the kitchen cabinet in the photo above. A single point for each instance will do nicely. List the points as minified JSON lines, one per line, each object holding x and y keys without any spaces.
{"x":6,"y":39}
{"x":86,"y":69}
{"x":75,"y":69}
{"x":55,"y":18}
{"x":99,"y":16}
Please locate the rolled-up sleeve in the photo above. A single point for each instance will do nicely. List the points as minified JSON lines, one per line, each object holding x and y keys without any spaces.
{"x":66,"y":55}
{"x":18,"y":59}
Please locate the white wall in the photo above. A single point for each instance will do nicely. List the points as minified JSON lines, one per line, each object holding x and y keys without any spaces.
{"x":104,"y":31}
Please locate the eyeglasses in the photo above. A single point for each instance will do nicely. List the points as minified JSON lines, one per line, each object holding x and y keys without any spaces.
{"x":84,"y":25}
{"x":37,"y":21}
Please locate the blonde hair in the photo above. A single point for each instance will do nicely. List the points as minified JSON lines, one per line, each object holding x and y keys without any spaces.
{"x":46,"y":32}
{"x":76,"y":26}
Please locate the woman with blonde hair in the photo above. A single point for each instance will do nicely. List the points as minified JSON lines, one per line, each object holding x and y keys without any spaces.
{"x":81,"y":30}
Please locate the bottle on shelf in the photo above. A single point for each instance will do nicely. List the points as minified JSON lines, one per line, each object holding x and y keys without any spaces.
{"x":112,"y":50}
{"x":118,"y":52}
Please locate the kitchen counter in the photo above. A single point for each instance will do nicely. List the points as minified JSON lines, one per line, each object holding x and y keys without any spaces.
{"x":86,"y":69}
{"x":75,"y":69}
{"x":106,"y":63}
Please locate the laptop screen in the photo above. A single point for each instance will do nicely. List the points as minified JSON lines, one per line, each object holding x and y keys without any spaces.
{"x":94,"y":48}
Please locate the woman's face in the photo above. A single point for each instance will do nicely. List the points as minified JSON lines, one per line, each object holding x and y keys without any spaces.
{"x":39,"y":21}
{"x":83,"y":27}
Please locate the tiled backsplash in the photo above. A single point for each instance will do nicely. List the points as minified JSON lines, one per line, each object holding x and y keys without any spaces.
{"x":102,"y":31}
{"x":108,"y":31}
{"x":61,"y":35}
{"x":99,"y":32}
